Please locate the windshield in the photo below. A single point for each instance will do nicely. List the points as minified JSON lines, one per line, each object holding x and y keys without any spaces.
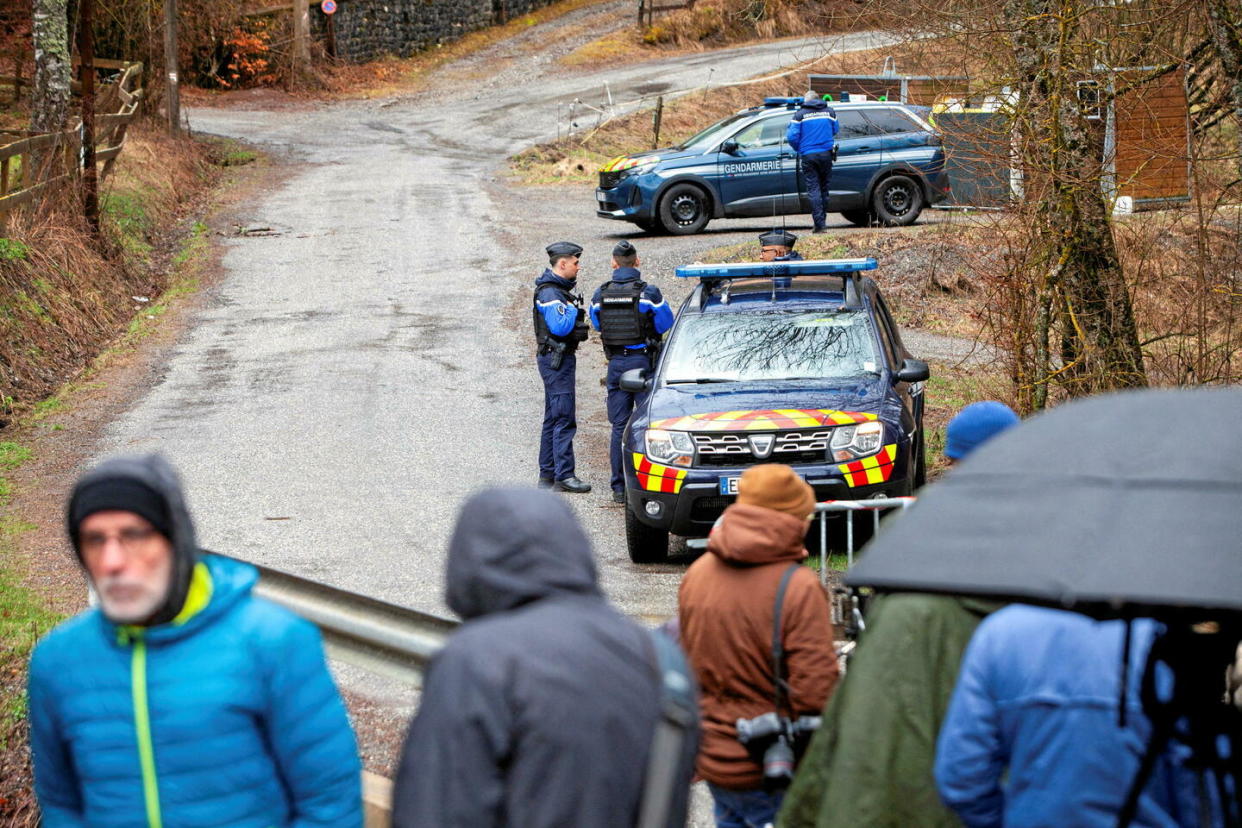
{"x":716,"y":132}
{"x":771,"y":345}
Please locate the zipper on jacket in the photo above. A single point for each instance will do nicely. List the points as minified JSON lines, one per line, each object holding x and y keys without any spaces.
{"x":142,"y":724}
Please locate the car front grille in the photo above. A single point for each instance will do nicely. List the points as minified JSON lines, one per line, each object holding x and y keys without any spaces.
{"x":610,"y":179}
{"x":732,"y":448}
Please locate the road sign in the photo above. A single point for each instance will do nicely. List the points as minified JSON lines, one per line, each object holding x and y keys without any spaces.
{"x":328,"y":6}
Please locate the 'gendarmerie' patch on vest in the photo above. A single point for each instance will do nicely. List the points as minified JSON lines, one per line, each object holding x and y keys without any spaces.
{"x":622,"y":321}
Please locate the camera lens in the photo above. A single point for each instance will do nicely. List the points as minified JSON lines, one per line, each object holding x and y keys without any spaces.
{"x":778,"y":765}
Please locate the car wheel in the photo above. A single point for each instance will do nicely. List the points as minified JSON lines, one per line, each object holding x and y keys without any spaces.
{"x":897,"y":201}
{"x":684,"y":210}
{"x":646,"y":544}
{"x":859,"y":218}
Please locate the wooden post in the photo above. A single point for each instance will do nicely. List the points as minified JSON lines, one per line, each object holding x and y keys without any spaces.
{"x":641,"y":9}
{"x":658,"y":117}
{"x":86,"y":51}
{"x":170,"y":67}
{"x":301,"y":38}
{"x":332,"y":36}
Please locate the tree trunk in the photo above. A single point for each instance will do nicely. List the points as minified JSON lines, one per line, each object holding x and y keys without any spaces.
{"x":1062,"y":169}
{"x":1225,"y":26}
{"x":53,"y":60}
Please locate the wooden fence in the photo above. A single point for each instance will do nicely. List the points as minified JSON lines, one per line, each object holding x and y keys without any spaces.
{"x":32,"y":164}
{"x":648,"y":9}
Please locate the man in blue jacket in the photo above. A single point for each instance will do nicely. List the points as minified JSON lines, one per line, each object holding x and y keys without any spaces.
{"x":813,"y":133}
{"x":560,"y":325}
{"x":631,"y":317}
{"x":182,"y":699}
{"x":1033,"y":737}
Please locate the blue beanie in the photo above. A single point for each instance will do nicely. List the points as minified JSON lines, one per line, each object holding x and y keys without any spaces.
{"x":974,"y":425}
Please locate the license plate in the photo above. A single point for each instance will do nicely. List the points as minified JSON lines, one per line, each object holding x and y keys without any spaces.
{"x":728,"y":485}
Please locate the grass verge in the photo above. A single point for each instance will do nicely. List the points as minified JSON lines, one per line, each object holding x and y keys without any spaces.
{"x":23,"y":621}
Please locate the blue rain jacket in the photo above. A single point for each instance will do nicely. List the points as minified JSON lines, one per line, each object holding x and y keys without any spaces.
{"x":225,"y":716}
{"x":813,"y":129}
{"x":1032,"y":736}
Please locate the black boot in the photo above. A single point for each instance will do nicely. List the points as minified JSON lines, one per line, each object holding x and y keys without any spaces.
{"x":572,"y":485}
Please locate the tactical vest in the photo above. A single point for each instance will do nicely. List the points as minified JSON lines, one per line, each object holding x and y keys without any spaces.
{"x":622,"y":321}
{"x":543,"y":336}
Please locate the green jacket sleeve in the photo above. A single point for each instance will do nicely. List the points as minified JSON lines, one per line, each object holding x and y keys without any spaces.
{"x":871,"y":761}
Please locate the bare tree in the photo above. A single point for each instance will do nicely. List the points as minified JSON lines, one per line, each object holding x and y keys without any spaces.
{"x":1225,"y":26}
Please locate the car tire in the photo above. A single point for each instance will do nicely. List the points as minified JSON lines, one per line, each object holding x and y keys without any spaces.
{"x":684,"y":210}
{"x":897,"y":201}
{"x":858,"y":218}
{"x":646,"y":544}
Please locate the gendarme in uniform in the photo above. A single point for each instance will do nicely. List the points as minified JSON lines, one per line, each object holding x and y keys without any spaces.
{"x":777,"y":246}
{"x":560,"y":325}
{"x":631,"y":317}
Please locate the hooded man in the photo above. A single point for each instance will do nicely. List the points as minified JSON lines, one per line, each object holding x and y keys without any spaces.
{"x":182,"y":699}
{"x":813,"y":135}
{"x":871,"y":761}
{"x":727,"y":611}
{"x":540,"y":710}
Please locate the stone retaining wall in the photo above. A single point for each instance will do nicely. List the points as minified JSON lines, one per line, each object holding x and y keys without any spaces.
{"x":368,"y":29}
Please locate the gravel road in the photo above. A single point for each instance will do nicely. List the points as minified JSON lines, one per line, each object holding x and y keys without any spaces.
{"x":368,"y":364}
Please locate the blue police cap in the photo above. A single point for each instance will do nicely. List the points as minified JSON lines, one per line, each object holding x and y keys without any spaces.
{"x":624,"y":248}
{"x":558,"y":249}
{"x":782,"y":237}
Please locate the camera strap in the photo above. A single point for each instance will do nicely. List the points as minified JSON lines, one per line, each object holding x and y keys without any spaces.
{"x":778,"y":647}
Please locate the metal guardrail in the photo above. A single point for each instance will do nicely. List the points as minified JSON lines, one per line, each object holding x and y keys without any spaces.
{"x":378,"y":636}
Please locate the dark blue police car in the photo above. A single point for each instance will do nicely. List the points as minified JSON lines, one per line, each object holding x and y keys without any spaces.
{"x":787,"y":362}
{"x":890,"y":164}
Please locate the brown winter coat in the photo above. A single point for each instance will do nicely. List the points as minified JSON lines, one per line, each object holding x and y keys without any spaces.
{"x":725,"y":605}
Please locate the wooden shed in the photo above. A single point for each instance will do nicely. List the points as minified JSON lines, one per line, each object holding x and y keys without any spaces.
{"x":1147,"y":139}
{"x":1144,"y":132}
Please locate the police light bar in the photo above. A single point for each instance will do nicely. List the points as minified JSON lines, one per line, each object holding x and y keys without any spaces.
{"x":769,"y":270}
{"x":781,"y":101}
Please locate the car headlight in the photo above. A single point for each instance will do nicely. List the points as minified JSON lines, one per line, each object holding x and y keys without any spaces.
{"x":855,"y":441}
{"x":640,"y":169}
{"x":673,"y":448}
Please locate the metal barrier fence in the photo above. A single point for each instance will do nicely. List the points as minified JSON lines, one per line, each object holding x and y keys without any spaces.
{"x":846,"y":612}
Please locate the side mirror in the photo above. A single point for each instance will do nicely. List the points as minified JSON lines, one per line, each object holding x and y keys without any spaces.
{"x":635,"y":381}
{"x":729,"y":147}
{"x":913,"y":370}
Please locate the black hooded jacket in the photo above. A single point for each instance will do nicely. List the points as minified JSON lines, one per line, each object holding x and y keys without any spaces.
{"x":158,"y":475}
{"x":540,"y":710}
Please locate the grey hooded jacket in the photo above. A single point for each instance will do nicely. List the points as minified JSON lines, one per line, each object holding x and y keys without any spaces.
{"x":540,"y":710}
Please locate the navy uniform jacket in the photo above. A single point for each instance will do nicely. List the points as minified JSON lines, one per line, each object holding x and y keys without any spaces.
{"x":652,"y":301}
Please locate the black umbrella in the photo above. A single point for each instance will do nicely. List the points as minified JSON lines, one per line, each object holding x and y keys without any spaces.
{"x":1124,"y":504}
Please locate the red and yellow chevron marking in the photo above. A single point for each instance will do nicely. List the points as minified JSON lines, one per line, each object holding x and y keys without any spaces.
{"x":621,"y":162}
{"x":656,"y":478}
{"x":874,"y":469}
{"x":768,"y":420}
